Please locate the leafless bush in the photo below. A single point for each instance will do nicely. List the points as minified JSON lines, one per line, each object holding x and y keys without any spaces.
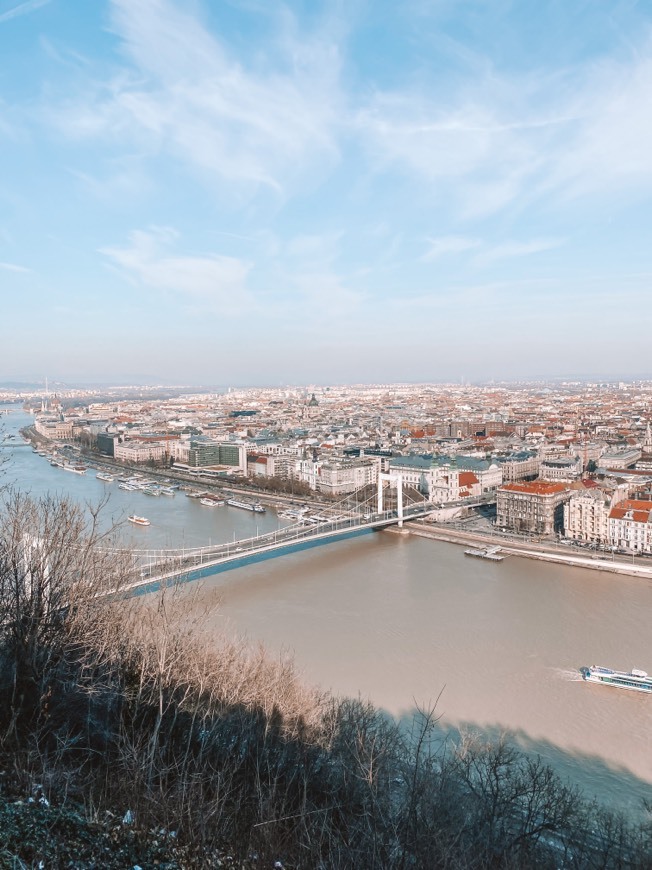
{"x":131,"y":704}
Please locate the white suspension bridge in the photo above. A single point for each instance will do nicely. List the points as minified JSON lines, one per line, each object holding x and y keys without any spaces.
{"x":162,"y":567}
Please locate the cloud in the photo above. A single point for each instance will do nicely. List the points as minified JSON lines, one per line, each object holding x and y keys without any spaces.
{"x":497,"y":140}
{"x":610,"y":148}
{"x":12,"y":267}
{"x":262,"y":124}
{"x":449,"y":245}
{"x":508,"y":250}
{"x":22,"y":9}
{"x":214,"y":281}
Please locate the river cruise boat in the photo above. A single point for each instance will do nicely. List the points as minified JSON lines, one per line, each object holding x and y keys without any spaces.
{"x":637,"y":681}
{"x":246,"y":505}
{"x":211,"y":502}
{"x":102,"y":475}
{"x":138,"y":521}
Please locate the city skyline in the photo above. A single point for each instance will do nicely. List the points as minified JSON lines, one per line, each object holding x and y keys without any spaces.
{"x":293,"y":193}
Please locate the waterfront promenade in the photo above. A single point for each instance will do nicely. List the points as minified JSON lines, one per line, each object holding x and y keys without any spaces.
{"x":562,"y":554}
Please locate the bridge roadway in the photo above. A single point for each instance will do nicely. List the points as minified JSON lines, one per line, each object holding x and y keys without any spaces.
{"x":204,"y":561}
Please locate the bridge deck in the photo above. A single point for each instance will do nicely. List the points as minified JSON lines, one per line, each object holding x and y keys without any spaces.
{"x":190,"y":565}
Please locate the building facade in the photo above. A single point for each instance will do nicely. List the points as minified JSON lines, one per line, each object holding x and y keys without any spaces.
{"x":54,"y":428}
{"x":568,"y":468}
{"x":519,"y":466}
{"x":536,"y":507}
{"x":630,"y":526}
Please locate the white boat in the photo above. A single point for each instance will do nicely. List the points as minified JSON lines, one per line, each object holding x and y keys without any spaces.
{"x":102,"y":475}
{"x":635,"y":680}
{"x":211,"y":502}
{"x":75,"y":469}
{"x":138,"y":521}
{"x":246,"y":505}
{"x":128,"y":486}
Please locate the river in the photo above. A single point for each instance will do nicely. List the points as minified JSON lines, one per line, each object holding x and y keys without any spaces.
{"x":404,"y":621}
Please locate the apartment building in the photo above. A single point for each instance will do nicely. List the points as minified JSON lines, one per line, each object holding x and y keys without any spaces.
{"x":536,"y":507}
{"x":523,"y":465}
{"x":630,"y":526}
{"x":339,"y":478}
{"x":567,"y":468}
{"x":626,"y":457}
{"x":134,"y":452}
{"x":586,"y":513}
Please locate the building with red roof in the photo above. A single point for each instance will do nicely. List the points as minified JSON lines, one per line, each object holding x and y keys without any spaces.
{"x":536,"y":506}
{"x":630,"y":526}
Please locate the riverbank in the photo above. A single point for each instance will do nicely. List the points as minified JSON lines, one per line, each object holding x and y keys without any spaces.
{"x":234,"y":485}
{"x":527,"y":550}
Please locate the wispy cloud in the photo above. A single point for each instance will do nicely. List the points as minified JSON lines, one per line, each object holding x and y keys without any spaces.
{"x":213,"y":280}
{"x":12,"y":267}
{"x":443,"y":245}
{"x":261,"y":124}
{"x":501,"y":140}
{"x":508,"y":250}
{"x":22,"y":9}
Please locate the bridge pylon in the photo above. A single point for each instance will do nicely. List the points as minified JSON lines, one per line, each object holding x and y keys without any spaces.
{"x":398,"y":480}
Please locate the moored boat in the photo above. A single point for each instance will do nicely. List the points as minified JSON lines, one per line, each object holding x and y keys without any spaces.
{"x":138,"y":521}
{"x":635,"y":680}
{"x":102,"y":475}
{"x":75,"y":469}
{"x":246,"y":505}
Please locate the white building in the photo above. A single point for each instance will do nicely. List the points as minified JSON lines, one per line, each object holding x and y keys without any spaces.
{"x":586,"y":514}
{"x":630,"y":526}
{"x":134,"y":452}
{"x":339,"y":478}
{"x":53,"y":428}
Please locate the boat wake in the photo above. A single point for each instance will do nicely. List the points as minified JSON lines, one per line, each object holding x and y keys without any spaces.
{"x":570,"y":675}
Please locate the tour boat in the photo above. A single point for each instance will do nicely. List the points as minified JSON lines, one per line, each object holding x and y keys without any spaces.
{"x":638,"y":681}
{"x":246,"y":505}
{"x":139,"y":521}
{"x":211,"y":502}
{"x":102,"y":475}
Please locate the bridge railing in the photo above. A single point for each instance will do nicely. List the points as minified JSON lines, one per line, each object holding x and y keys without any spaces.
{"x":161,"y":563}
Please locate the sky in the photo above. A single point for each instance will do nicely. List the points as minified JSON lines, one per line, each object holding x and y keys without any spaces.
{"x":251,"y":192}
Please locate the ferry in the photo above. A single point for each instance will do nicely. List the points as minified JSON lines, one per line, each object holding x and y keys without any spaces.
{"x":211,"y":502}
{"x":246,"y":505}
{"x":102,"y":475}
{"x":138,"y":521}
{"x":637,"y":681}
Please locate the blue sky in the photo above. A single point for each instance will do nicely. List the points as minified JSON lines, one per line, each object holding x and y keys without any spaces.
{"x":255,"y":192}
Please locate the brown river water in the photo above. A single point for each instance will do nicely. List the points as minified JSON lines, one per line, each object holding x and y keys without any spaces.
{"x":403,"y":620}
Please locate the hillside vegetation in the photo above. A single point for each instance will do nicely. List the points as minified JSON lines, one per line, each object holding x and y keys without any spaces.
{"x":130,"y":737}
